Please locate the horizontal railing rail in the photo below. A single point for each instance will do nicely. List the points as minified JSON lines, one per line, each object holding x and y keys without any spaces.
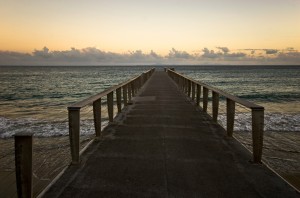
{"x":124,"y":93}
{"x":194,"y":89}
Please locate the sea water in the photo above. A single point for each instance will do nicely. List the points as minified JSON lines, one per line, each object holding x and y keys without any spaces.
{"x":35,"y":99}
{"x":277,"y":88}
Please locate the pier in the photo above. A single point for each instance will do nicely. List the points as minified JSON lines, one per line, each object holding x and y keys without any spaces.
{"x":161,"y":142}
{"x":164,"y":145}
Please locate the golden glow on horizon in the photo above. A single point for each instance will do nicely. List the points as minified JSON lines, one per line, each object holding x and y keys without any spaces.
{"x":120,"y":26}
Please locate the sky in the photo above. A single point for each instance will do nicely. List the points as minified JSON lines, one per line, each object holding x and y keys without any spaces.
{"x":97,"y":32}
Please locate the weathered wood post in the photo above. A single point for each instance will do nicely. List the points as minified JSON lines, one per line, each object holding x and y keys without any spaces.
{"x":119,"y":99}
{"x":205,"y":99}
{"x":177,"y":79}
{"x":143,"y":79}
{"x":257,"y":133}
{"x":198,"y":95}
{"x":97,"y":116}
{"x":74,"y":131}
{"x":186,"y":86}
{"x":23,"y":164}
{"x":110,"y":106}
{"x":193,"y":91}
{"x":189,"y":88}
{"x":132,"y":85}
{"x":215,"y":105}
{"x":138,"y":82}
{"x":125,"y":94}
{"x":230,"y":110}
{"x":181,"y":83}
{"x":129,"y":91}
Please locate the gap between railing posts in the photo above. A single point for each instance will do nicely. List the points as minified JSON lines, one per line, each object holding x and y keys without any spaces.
{"x":128,"y":89}
{"x":187,"y":85}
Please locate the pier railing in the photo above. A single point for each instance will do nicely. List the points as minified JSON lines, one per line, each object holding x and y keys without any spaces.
{"x":123,"y":93}
{"x":195,"y":89}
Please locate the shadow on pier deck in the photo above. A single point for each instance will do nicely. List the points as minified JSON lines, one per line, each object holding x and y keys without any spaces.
{"x":164,"y":146}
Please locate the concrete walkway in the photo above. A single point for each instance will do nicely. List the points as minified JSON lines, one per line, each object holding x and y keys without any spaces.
{"x":166,"y":147}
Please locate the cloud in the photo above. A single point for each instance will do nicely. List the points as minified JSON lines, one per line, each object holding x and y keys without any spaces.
{"x":271,"y":51}
{"x":94,"y":56}
{"x":224,"y":49}
{"x":235,"y":55}
{"x":178,"y":54}
{"x":210,"y":53}
{"x":221,"y":55}
{"x":42,"y":53}
{"x":292,"y":57}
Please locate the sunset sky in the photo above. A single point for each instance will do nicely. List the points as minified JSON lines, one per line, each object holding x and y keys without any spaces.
{"x":214,"y":31}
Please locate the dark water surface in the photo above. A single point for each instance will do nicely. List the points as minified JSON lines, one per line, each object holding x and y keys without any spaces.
{"x":35,"y":98}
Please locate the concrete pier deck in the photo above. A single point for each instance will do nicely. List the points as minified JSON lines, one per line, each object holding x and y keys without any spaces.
{"x":164,"y":146}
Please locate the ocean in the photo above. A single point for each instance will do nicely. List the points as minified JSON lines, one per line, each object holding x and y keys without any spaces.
{"x":35,"y":99}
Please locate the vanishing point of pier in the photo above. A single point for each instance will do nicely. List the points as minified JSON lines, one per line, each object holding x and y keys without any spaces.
{"x":163,"y":144}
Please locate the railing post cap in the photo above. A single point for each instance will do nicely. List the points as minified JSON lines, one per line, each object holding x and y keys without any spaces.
{"x":24,"y":134}
{"x":74,"y":108}
{"x":258,"y":108}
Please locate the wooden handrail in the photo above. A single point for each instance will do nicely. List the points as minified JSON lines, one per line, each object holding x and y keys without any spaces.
{"x":187,"y":84}
{"x":129,"y":88}
{"x":90,"y":100}
{"x":245,"y":103}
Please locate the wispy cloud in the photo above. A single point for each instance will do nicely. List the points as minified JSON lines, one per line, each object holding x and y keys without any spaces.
{"x":271,"y":51}
{"x":94,"y":56}
{"x":224,"y":49}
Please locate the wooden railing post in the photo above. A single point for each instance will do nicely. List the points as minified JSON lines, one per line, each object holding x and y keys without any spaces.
{"x":205,"y":99}
{"x":180,"y":83}
{"x":23,"y":164}
{"x":132,"y":85}
{"x":186,"y":84}
{"x":198,"y":95}
{"x":230,"y":107}
{"x":138,"y":82}
{"x":129,"y":91}
{"x":119,"y":100}
{"x":189,"y":88}
{"x":193,"y":91}
{"x":257,"y":133}
{"x":110,"y":106}
{"x":215,"y":105}
{"x":125,"y":94}
{"x":97,"y":116}
{"x":74,"y":132}
{"x":143,"y":79}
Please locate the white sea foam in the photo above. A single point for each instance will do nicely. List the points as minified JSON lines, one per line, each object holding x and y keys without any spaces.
{"x":42,"y":128}
{"x":273,"y":122}
{"x":8,"y":127}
